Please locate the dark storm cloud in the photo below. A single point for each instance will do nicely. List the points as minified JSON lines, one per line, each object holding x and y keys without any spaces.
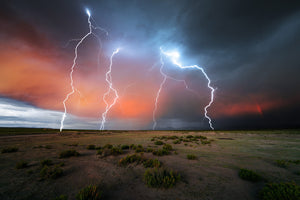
{"x":250,"y":49}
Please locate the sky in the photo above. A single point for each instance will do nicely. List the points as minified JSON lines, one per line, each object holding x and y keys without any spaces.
{"x":249,"y":49}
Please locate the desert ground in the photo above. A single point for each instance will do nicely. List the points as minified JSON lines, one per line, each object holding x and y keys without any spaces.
{"x":210,"y":172}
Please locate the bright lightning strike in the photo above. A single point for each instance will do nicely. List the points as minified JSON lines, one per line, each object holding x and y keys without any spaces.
{"x":111,"y":88}
{"x":174,"y":57}
{"x":91,"y":27}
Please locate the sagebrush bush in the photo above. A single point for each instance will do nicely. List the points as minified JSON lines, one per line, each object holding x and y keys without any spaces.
{"x":68,"y":153}
{"x":167,"y":147}
{"x":100,"y":151}
{"x":116,"y":151}
{"x":205,"y":142}
{"x":191,"y":157}
{"x":9,"y":150}
{"x":149,"y":150}
{"x":150,"y":163}
{"x":282,"y":163}
{"x":249,"y":175}
{"x":51,"y":172}
{"x":91,"y":192}
{"x":91,"y":147}
{"x":139,"y":149}
{"x":160,"y":152}
{"x":62,"y":197}
{"x":176,"y":142}
{"x":125,"y":146}
{"x":161,"y":178}
{"x":280,"y":191}
{"x":132,"y":146}
{"x":21,"y":165}
{"x":107,"y":146}
{"x":158,"y":142}
{"x":47,"y":162}
{"x":134,"y":158}
{"x":294,"y":161}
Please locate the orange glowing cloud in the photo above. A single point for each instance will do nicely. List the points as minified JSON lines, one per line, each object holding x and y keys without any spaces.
{"x":43,"y":80}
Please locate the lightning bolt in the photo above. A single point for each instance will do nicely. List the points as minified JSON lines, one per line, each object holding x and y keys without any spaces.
{"x":174,"y":56}
{"x":111,"y":88}
{"x":80,"y":41}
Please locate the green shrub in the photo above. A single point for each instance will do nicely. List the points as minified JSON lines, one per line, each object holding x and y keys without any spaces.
{"x":294,"y":161}
{"x":167,"y":147}
{"x":150,"y":163}
{"x":280,"y":191}
{"x":134,"y":158}
{"x":48,"y":146}
{"x":281,"y":163}
{"x":68,"y":153}
{"x":139,"y":149}
{"x":107,"y":146}
{"x":161,"y":178}
{"x":10,"y":150}
{"x":160,"y":152}
{"x":100,"y":151}
{"x":91,"y":147}
{"x":46,"y":162}
{"x":91,"y":192}
{"x":189,"y":136}
{"x":201,"y":137}
{"x":191,"y":157}
{"x":149,"y":150}
{"x":132,"y":146}
{"x":51,"y":173}
{"x":173,"y":137}
{"x":61,"y":197}
{"x":21,"y":165}
{"x":116,"y":151}
{"x":176,"y":142}
{"x":125,"y":146}
{"x":158,"y":142}
{"x":205,"y":142}
{"x":249,"y":175}
{"x":98,"y":147}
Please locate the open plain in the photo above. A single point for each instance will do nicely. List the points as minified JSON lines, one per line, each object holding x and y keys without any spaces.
{"x":208,"y":163}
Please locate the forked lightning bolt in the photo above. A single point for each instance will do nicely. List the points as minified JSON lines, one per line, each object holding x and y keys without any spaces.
{"x":174,"y":56}
{"x":111,"y":88}
{"x":91,"y":27}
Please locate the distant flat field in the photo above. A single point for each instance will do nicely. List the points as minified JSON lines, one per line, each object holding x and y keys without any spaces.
{"x":219,"y":155}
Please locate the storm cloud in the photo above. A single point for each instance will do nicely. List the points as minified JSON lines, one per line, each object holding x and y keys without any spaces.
{"x":250,"y":50}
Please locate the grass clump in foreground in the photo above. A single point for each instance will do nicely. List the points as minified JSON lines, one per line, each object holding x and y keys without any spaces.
{"x":151,"y":163}
{"x":51,"y":173}
{"x":68,"y":153}
{"x":282,"y":163}
{"x":191,"y":157}
{"x":10,"y":150}
{"x":161,"y":178}
{"x":91,"y":192}
{"x":280,"y":191}
{"x":161,"y":152}
{"x":158,"y":142}
{"x":249,"y":175}
{"x":46,"y":162}
{"x":134,"y":158}
{"x":91,"y":147}
{"x":21,"y":165}
{"x":61,"y":197}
